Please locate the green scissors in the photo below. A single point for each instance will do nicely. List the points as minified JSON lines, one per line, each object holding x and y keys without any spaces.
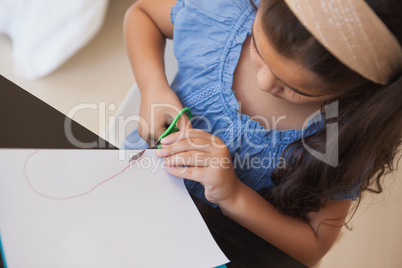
{"x":170,"y":130}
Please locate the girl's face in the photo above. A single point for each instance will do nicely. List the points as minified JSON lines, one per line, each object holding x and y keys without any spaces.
{"x":282,"y":77}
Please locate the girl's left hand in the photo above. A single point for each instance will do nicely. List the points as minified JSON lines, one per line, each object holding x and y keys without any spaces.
{"x":199,"y":156}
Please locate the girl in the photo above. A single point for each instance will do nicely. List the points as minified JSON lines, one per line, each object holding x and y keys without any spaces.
{"x":297,"y":107}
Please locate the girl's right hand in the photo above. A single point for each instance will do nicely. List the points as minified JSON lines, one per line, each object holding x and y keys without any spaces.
{"x":158,"y":109}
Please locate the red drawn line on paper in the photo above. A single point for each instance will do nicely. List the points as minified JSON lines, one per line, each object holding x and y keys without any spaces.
{"x":67,"y":197}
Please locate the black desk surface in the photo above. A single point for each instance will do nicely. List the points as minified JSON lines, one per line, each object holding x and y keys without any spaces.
{"x":27,"y":122}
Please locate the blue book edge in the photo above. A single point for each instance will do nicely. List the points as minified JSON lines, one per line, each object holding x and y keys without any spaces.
{"x":3,"y":258}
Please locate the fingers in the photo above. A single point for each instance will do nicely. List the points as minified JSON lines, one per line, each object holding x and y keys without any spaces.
{"x":161,"y":123}
{"x":198,"y":144}
{"x":190,"y":134}
{"x":198,"y":159}
{"x":190,"y":158}
{"x":150,"y":131}
{"x":182,"y":123}
{"x":153,"y":134}
{"x":191,"y":173}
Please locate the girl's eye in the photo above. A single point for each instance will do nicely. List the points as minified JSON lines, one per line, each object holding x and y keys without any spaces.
{"x":253,"y":46}
{"x":296,"y":95}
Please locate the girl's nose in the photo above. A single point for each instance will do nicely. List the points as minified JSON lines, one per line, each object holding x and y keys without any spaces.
{"x":268,"y":82}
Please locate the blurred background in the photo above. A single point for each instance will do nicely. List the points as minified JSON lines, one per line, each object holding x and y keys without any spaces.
{"x":96,"y":70}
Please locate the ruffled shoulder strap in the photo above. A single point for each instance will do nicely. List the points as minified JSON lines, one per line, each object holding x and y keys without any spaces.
{"x":175,"y":9}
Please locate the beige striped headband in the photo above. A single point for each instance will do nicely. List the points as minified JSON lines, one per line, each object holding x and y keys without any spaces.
{"x":354,"y":34}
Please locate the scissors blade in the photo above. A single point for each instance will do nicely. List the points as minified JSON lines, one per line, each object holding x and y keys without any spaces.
{"x":138,"y":155}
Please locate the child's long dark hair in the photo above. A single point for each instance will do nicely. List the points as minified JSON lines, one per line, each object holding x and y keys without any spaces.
{"x":370,"y":118}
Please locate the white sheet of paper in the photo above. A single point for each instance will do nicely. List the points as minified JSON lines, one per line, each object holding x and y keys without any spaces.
{"x":78,"y":208}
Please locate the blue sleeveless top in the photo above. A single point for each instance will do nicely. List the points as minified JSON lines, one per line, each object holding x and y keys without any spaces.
{"x":208,"y":39}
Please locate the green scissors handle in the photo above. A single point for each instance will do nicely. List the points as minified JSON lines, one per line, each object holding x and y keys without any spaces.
{"x":170,"y":130}
{"x":173,"y":128}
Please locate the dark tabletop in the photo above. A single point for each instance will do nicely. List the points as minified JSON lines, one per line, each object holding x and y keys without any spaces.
{"x":27,"y":122}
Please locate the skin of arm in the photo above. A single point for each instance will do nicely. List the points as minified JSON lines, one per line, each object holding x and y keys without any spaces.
{"x":147,"y":24}
{"x":307,"y":242}
{"x":146,"y":27}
